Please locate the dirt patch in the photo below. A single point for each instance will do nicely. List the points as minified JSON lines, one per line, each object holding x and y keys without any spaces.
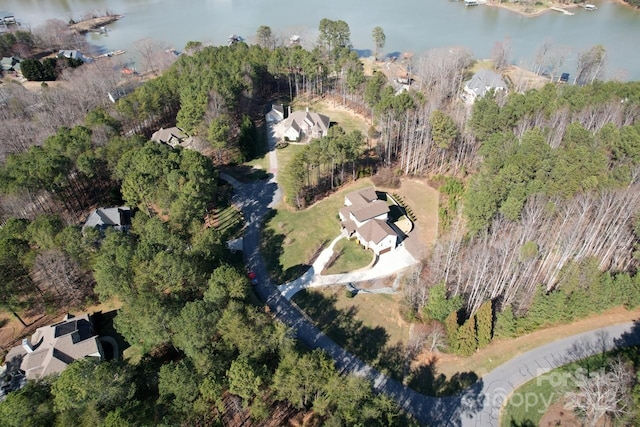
{"x":423,"y":201}
{"x":501,"y":351}
{"x":523,"y":80}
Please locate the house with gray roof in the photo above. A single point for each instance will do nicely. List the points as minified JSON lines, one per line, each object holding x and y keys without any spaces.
{"x":54,"y":347}
{"x":276,"y":114}
{"x":10,"y":63}
{"x":118,"y":218}
{"x":366,"y":217}
{"x":301,"y":124}
{"x":482,"y":82}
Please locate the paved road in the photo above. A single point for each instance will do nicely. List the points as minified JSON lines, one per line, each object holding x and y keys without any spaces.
{"x":477,"y":406}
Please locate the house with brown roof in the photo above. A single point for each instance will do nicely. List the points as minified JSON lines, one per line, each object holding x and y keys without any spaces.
{"x":366,"y":217}
{"x":53,"y":347}
{"x":301,"y":124}
{"x":173,"y":137}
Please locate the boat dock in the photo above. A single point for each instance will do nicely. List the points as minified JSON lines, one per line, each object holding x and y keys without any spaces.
{"x":565,"y":11}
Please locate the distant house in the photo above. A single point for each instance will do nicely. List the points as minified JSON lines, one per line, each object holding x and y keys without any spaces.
{"x":302,"y":124}
{"x":276,"y":114}
{"x":10,"y":63}
{"x":482,"y":82}
{"x":366,"y":217}
{"x":172,"y":136}
{"x":53,"y":347}
{"x":118,"y":218}
{"x":71,"y":54}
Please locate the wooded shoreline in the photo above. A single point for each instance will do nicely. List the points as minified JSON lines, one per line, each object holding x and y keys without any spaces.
{"x":91,"y":24}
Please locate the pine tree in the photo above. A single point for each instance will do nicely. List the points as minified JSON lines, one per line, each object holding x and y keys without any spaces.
{"x":451,"y":327}
{"x":467,"y":340}
{"x":505,"y":323}
{"x":484,"y":324}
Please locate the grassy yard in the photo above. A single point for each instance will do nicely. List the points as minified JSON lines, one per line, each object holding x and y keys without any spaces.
{"x":292,"y":238}
{"x":530,"y":402}
{"x":337,"y":114}
{"x":350,"y":256}
{"x":368,"y":325}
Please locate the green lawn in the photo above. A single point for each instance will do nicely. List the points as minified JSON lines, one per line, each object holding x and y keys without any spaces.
{"x":350,"y":255}
{"x":291,"y":238}
{"x":366,"y":325}
{"x":338,"y":115}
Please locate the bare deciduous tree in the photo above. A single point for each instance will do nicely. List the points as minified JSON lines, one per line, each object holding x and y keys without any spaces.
{"x":601,"y":393}
{"x":501,"y":53}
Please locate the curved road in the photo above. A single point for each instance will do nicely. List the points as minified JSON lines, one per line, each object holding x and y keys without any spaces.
{"x":476,"y":406}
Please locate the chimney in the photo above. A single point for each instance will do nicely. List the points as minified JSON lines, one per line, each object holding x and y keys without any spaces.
{"x":27,"y":345}
{"x":289,"y":113}
{"x":307,"y":109}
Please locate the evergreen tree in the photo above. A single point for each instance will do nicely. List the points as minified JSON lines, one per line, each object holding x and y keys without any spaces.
{"x":484,"y":324}
{"x":467,"y":339}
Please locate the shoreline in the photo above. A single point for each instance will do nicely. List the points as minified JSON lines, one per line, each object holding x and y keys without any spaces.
{"x":511,"y":8}
{"x":540,"y":12}
{"x":87,"y":25}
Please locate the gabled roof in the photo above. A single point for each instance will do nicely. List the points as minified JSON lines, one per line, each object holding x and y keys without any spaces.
{"x":370,"y":210}
{"x":484,"y":80}
{"x":308,"y":120}
{"x":361,"y":197}
{"x":109,"y":217}
{"x":52,"y":348}
{"x":375,"y":231}
{"x":170,"y":136}
{"x":74,"y":54}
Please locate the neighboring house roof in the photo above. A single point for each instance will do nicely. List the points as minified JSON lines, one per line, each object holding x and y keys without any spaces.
{"x":306,"y":122}
{"x":375,"y":231}
{"x":276,"y":113}
{"x":102,"y":218}
{"x":72,"y":54}
{"x":10,"y":63}
{"x":370,"y":210}
{"x":52,"y":348}
{"x":171,"y":136}
{"x":483,"y":81}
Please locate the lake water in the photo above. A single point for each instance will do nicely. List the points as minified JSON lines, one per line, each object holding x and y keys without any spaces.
{"x":409,"y":25}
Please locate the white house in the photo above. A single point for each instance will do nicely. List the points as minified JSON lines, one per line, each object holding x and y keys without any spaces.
{"x":482,"y":82}
{"x":276,"y":114}
{"x":366,"y":217}
{"x":301,"y":124}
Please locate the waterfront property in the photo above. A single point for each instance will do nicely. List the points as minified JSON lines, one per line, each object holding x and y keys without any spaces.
{"x":482,"y":82}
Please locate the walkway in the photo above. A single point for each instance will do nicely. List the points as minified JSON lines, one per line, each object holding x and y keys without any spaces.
{"x":387,"y":264}
{"x":477,"y":406}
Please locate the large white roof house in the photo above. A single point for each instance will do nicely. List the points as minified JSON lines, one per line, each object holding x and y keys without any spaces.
{"x":301,"y":124}
{"x":366,"y":217}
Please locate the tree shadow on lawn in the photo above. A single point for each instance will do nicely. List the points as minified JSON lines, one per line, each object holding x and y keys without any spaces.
{"x":426,"y":380}
{"x":271,"y":247}
{"x":370,"y":345}
{"x":342,"y":326}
